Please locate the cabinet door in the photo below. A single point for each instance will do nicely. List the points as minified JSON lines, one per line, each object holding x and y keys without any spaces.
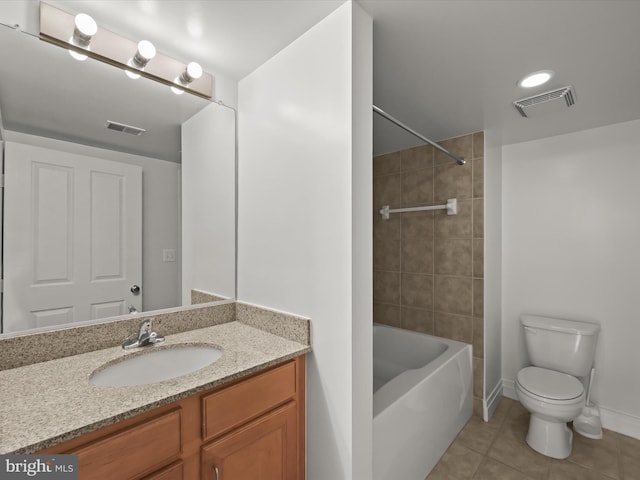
{"x":265,"y":449}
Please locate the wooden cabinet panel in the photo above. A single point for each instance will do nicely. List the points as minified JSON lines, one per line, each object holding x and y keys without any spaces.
{"x":233,"y":406}
{"x":174,"y":472}
{"x":265,"y":449}
{"x":130,"y":453}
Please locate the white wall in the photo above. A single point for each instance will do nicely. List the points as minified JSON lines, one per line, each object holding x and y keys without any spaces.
{"x":305,"y":226}
{"x":492,"y":273}
{"x":571,"y":249}
{"x":362,"y":244}
{"x":160,"y":216}
{"x":208,"y":203}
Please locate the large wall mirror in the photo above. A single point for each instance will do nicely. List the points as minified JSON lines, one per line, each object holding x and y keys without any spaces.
{"x":54,"y":113}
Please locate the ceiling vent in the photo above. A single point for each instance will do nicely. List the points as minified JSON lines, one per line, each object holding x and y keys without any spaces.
{"x":546,"y":102}
{"x":121,"y":127}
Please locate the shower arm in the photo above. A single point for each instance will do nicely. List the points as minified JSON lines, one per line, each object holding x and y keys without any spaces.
{"x":379,"y":111}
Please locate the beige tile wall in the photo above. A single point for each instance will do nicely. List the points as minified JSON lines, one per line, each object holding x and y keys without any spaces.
{"x":428,"y":267}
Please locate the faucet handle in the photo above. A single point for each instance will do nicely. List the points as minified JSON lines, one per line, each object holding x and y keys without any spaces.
{"x":145,"y":326}
{"x":155,"y":338}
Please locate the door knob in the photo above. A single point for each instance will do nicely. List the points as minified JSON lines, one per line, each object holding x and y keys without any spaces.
{"x":135,"y":290}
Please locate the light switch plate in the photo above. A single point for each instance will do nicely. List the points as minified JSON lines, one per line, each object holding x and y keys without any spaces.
{"x":168,"y":255}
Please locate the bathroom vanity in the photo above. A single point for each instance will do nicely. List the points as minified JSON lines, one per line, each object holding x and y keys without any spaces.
{"x":243,"y":412}
{"x":249,"y":426}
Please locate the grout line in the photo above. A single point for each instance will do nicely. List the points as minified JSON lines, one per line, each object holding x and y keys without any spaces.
{"x":501,"y":429}
{"x":400,"y":217}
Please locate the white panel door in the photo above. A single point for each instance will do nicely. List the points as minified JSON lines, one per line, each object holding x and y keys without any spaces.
{"x":72,"y":237}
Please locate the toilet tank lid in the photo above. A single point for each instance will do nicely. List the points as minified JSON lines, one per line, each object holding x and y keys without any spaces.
{"x":560,"y":325}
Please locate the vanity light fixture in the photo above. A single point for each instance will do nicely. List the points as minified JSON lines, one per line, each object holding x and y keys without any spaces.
{"x":192,"y":72}
{"x":146,"y":52}
{"x":77,"y":32}
{"x":85,"y":28}
{"x":536,"y":79}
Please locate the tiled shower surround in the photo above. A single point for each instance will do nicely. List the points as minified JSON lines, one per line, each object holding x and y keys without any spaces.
{"x":428,"y":266}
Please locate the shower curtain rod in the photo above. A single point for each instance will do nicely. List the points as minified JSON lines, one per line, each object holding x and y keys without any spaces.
{"x":379,"y":111}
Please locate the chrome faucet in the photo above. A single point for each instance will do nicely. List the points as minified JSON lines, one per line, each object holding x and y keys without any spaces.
{"x":145,"y":336}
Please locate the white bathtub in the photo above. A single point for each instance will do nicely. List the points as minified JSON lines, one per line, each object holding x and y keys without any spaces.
{"x":422,"y":397}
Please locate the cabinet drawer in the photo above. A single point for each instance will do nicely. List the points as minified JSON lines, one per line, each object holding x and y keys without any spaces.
{"x":174,"y":472}
{"x":233,"y":406}
{"x":140,"y":449}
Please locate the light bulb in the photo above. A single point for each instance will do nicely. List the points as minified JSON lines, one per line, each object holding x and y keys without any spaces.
{"x":85,"y":28}
{"x":129,"y":73}
{"x":194,"y":71}
{"x":146,"y":52}
{"x":86,"y":25}
{"x":177,"y":91}
{"x":77,"y":56}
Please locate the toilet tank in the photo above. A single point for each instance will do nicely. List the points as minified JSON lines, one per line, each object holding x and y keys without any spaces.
{"x":563,"y":345}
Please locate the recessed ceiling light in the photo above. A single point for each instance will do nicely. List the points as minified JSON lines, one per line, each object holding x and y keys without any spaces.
{"x":536,"y":78}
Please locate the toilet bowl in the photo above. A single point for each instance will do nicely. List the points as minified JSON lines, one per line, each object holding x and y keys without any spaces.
{"x":560,"y":352}
{"x":553,"y":399}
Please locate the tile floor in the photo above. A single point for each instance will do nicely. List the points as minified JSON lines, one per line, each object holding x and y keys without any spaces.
{"x":497,"y":451}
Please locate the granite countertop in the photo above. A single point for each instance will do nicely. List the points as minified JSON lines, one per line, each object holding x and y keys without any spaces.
{"x":47,"y":403}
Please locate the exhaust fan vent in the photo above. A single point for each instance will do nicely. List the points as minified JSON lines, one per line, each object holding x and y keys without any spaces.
{"x":540,"y":102}
{"x":121,"y":127}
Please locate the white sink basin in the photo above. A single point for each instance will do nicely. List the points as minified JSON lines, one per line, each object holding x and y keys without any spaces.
{"x":156,"y":365}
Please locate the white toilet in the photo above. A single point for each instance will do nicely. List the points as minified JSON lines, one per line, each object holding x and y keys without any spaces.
{"x":559,"y":350}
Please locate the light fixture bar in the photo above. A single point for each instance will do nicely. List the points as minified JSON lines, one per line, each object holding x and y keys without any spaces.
{"x":57,"y":27}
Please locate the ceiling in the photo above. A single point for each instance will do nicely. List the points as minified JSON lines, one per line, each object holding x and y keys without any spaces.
{"x":448,"y":68}
{"x":445,"y":68}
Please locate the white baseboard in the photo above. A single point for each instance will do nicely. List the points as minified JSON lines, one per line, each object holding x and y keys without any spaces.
{"x":620,"y":422}
{"x":491,"y":402}
{"x":611,"y":419}
{"x":509,"y":389}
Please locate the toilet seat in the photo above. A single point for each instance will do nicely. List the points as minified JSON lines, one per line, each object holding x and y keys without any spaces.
{"x":549,"y":386}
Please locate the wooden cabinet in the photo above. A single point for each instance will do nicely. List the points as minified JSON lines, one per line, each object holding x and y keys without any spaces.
{"x":247,"y":400}
{"x":134,"y":451}
{"x":173,"y":472}
{"x":250,"y":429}
{"x":265,"y":449}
